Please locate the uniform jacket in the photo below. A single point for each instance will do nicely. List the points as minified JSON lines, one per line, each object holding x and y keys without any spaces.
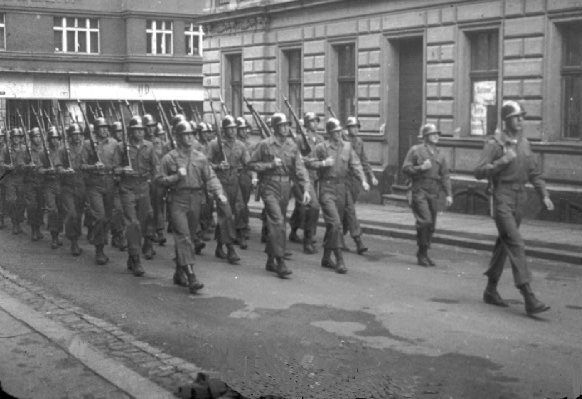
{"x":426,"y":179}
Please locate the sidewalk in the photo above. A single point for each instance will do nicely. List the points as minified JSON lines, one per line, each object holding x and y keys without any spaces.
{"x":546,"y":240}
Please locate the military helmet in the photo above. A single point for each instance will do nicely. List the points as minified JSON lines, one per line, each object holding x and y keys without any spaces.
{"x":75,"y":129}
{"x":116,"y":126}
{"x":148,"y":120}
{"x":99,"y":122}
{"x":228,"y":121}
{"x":511,"y":108}
{"x":310,"y":116}
{"x":242,"y":123}
{"x":352,"y":121}
{"x":183,"y":127}
{"x":177,"y":119}
{"x":16,"y":132}
{"x":204,"y":127}
{"x":35,"y":131}
{"x":53,"y":133}
{"x":136,"y":123}
{"x":279,"y":118}
{"x":332,"y":125}
{"x":160,"y":130}
{"x":428,"y":129}
{"x":194,"y":125}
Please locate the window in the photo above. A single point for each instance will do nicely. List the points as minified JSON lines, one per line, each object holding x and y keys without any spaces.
{"x":194,"y":36}
{"x":292,"y":79}
{"x":76,"y":35}
{"x":572,"y":81}
{"x":346,"y":80}
{"x":159,"y":37}
{"x":233,"y":87}
{"x":2,"y":33}
{"x":484,"y":75}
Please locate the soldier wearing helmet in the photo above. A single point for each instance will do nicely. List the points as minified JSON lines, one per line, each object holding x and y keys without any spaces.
{"x":429,"y":172}
{"x":33,"y":182}
{"x":278,"y":161}
{"x":186,"y":172}
{"x":508,"y":162}
{"x":101,"y":127}
{"x":150,"y":126}
{"x":117,"y":130}
{"x":52,"y":188}
{"x":335,"y":160}
{"x":228,"y":163}
{"x":157,"y":192}
{"x":305,"y":216}
{"x":3,"y":176}
{"x":247,"y":178}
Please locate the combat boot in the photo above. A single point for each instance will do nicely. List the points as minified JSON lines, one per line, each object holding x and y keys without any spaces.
{"x":242,"y":241}
{"x":281,"y":268}
{"x":75,"y":250}
{"x":293,"y":237}
{"x":148,"y":249}
{"x":232,"y":256}
{"x":16,"y":229}
{"x":360,"y":247}
{"x":180,"y":276}
{"x":491,"y":296}
{"x":340,"y":266}
{"x":343,"y":245}
{"x":271,"y":266}
{"x":199,"y":246}
{"x":326,"y":261}
{"x":36,"y":235}
{"x":134,"y":265}
{"x":193,"y":284}
{"x":219,"y":252}
{"x":421,"y":256}
{"x":54,"y":240}
{"x":532,"y":304}
{"x":100,"y":257}
{"x":160,"y":238}
{"x":308,"y":247}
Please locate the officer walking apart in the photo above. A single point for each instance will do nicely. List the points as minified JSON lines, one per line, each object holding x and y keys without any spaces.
{"x":428,"y":170}
{"x":277,"y":160}
{"x":186,"y":172}
{"x":509,"y":163}
{"x":336,"y":159}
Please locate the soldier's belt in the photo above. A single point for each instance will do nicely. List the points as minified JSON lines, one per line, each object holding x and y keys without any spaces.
{"x":279,"y":178}
{"x":511,"y":185}
{"x":333,"y":180}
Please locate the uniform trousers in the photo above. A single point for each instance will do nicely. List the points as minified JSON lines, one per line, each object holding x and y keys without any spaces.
{"x":138,"y":214}
{"x":158,"y":196}
{"x":424,"y":206}
{"x":229,"y":217}
{"x":509,"y":202}
{"x":34,"y":199}
{"x":246,"y":188}
{"x":350,"y":219}
{"x":53,"y":203}
{"x":275,"y":192}
{"x":333,"y":198}
{"x":73,"y":197}
{"x":15,"y":197}
{"x":101,"y":191}
{"x":305,"y":216}
{"x":185,"y":206}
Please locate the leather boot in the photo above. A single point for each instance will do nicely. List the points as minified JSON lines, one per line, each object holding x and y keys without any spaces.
{"x":36,"y":235}
{"x":118,"y":241}
{"x":532,"y":304}
{"x":326,"y":260}
{"x":193,"y":284}
{"x":242,"y":241}
{"x":219,"y":252}
{"x":148,"y":249}
{"x":340,"y":266}
{"x":100,"y":257}
{"x":16,"y":229}
{"x":180,"y":276}
{"x":160,"y":238}
{"x":308,"y":246}
{"x":75,"y":250}
{"x":199,"y":246}
{"x":429,"y":260}
{"x":343,"y":245}
{"x":281,"y":268}
{"x":293,"y":237}
{"x":271,"y":266}
{"x":232,"y":256}
{"x":287,"y":255}
{"x":360,"y":247}
{"x":421,"y":256}
{"x":136,"y":269}
{"x":491,"y":296}
{"x":54,"y":240}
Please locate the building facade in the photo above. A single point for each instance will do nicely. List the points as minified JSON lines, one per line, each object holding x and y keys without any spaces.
{"x":106,"y":51}
{"x":399,"y":64}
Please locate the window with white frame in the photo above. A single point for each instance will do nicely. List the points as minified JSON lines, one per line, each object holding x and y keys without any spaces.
{"x":2,"y":33}
{"x":159,"y":37}
{"x":76,"y":35}
{"x":194,"y":34}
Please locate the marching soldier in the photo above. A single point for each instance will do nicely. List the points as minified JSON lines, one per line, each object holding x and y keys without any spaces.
{"x":185,"y":172}
{"x":429,"y":172}
{"x":150,"y":126}
{"x":335,"y":160}
{"x":3,"y":178}
{"x":350,"y":221}
{"x":305,"y":216}
{"x":227,"y":164}
{"x":158,"y":193}
{"x":98,"y":166}
{"x":207,"y":223}
{"x":52,"y":189}
{"x":16,"y":162}
{"x":278,"y":160}
{"x":508,"y":162}
{"x":141,"y":167}
{"x":69,"y":165}
{"x":33,"y":182}
{"x":247,"y":178}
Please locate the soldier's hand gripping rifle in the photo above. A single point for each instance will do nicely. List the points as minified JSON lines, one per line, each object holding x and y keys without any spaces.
{"x":60,"y":118}
{"x":128,"y":166}
{"x":216,"y":123}
{"x":89,"y":135}
{"x":263,"y":127}
{"x":299,"y":126}
{"x":26,"y":142}
{"x":45,"y":149}
{"x":225,"y":109}
{"x":167,"y":125}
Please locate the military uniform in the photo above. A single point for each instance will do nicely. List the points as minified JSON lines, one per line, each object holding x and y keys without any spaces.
{"x":158,"y":192}
{"x":52,"y":190}
{"x":15,"y":170}
{"x":3,"y":178}
{"x":246,"y":177}
{"x":207,"y":223}
{"x":34,"y":188}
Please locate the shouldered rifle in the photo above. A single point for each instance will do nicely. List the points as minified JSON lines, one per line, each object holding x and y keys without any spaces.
{"x":197,"y":115}
{"x":113,"y":112}
{"x":307,"y":148}
{"x":174,"y":108}
{"x":89,"y":135}
{"x":180,"y":109}
{"x":263,"y":128}
{"x":99,"y":109}
{"x":60,"y":118}
{"x":26,"y":142}
{"x":49,"y":162}
{"x":143,"y":111}
{"x":194,"y":113}
{"x":223,"y":105}
{"x":125,"y":140}
{"x":216,"y":123}
{"x":128,"y":108}
{"x":8,"y":145}
{"x":167,"y":126}
{"x":330,"y":110}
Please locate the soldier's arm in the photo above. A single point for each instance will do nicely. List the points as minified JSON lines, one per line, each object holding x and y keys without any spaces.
{"x":445,"y":176}
{"x":408,"y":166}
{"x":260,"y":160}
{"x":356,"y":165}
{"x":491,"y":161}
{"x":365,"y":162}
{"x":317,"y":161}
{"x":535,"y":177}
{"x":211,"y":180}
{"x":168,"y":172}
{"x":301,"y":174}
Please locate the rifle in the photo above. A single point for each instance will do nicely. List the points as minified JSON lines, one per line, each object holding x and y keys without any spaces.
{"x":89,"y":135}
{"x":26,"y":142}
{"x":180,"y":109}
{"x":8,"y":145}
{"x":61,"y":118}
{"x":128,"y":107}
{"x":263,"y":127}
{"x":124,"y":139}
{"x":197,"y":114}
{"x":49,"y":164}
{"x":93,"y":115}
{"x":174,"y":108}
{"x":194,"y":114}
{"x":143,"y":111}
{"x":218,"y":138}
{"x":167,"y":126}
{"x":330,"y":110}
{"x":100,"y":109}
{"x":223,"y":105}
{"x":299,"y":126}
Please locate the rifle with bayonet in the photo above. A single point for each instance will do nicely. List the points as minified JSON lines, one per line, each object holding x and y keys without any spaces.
{"x":263,"y":127}
{"x":174,"y":108}
{"x":193,"y":113}
{"x":216,"y":123}
{"x":49,"y":161}
{"x":26,"y":142}
{"x":330,"y":110}
{"x":99,"y":109}
{"x":60,"y":118}
{"x":223,"y":105}
{"x":142,"y":106}
{"x":128,"y":108}
{"x":167,"y":126}
{"x":124,"y":139}
{"x":179,"y":107}
{"x":299,"y":126}
{"x":89,"y":135}
{"x":8,"y":145}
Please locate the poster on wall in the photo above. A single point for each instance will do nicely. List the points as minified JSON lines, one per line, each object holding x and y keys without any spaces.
{"x":478,"y":119}
{"x":484,"y":101}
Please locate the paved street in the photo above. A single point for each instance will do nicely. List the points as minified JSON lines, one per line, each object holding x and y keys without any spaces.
{"x":388,"y":327}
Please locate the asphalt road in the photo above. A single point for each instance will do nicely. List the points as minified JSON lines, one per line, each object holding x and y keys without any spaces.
{"x":388,"y":326}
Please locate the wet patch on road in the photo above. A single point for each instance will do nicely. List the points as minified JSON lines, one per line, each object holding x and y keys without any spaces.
{"x":575,"y":307}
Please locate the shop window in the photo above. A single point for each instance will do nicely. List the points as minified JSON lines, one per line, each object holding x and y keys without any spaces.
{"x":346,"y":80}
{"x":291,"y":71}
{"x":159,"y":34}
{"x":572,"y":81}
{"x":484,"y":74}
{"x":2,"y":33}
{"x":233,"y":87}
{"x":193,"y":35}
{"x":76,"y":35}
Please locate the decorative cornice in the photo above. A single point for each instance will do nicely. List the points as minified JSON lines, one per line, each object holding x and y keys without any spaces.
{"x":235,"y":25}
